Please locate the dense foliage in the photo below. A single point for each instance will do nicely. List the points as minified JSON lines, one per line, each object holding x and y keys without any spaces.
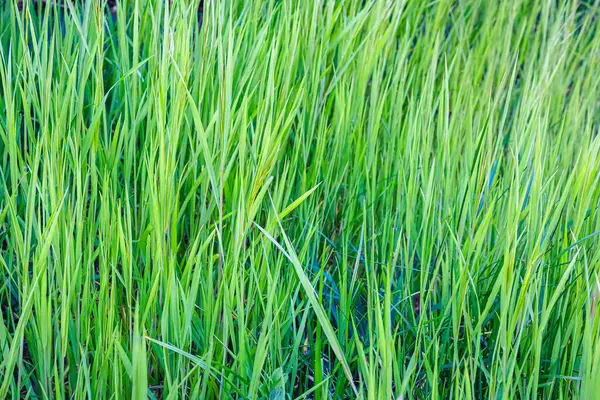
{"x":317,"y":199}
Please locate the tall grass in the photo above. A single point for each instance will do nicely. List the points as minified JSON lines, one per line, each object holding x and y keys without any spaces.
{"x":300,"y":199}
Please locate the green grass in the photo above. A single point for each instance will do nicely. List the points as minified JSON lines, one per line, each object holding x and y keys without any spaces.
{"x":300,"y":199}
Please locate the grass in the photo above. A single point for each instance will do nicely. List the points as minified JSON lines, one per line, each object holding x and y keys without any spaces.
{"x":300,"y":199}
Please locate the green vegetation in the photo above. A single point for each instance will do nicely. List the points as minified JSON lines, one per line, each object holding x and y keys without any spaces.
{"x":315,"y":199}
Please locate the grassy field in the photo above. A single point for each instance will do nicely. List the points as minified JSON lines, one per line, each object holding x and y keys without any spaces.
{"x":300,"y":199}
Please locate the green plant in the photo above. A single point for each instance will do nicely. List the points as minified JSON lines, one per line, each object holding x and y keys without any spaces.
{"x":312,"y":199}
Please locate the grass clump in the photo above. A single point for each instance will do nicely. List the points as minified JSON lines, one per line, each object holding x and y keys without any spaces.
{"x":300,"y":199}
